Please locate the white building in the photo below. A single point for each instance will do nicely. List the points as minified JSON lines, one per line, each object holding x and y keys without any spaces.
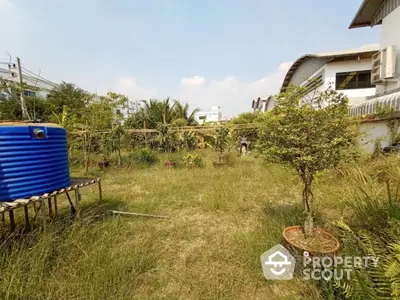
{"x":39,"y":87}
{"x":346,"y":71}
{"x":386,"y":66}
{"x":263,"y":104}
{"x":214,"y":115}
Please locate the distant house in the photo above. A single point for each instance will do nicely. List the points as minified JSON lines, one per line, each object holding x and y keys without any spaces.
{"x":38,"y":87}
{"x":214,"y":115}
{"x":346,"y":71}
{"x":263,"y":104}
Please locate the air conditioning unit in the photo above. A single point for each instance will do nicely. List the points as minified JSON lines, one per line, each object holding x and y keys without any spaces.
{"x":384,"y":65}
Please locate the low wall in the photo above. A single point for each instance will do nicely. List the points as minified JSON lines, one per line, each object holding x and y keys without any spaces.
{"x":371,"y":130}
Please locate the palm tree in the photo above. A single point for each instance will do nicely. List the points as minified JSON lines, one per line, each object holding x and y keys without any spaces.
{"x":155,"y":112}
{"x":182,"y":112}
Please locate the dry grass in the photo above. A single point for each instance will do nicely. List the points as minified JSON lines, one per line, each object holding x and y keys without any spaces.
{"x":221,"y":221}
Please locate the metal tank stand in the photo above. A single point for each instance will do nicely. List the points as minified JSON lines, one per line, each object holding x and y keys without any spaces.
{"x":39,"y":202}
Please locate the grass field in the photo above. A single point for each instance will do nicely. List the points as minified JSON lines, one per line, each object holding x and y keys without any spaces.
{"x":220,"y":221}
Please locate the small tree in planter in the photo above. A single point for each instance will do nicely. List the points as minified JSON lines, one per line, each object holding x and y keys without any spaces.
{"x":310,"y":135}
{"x":221,"y":143}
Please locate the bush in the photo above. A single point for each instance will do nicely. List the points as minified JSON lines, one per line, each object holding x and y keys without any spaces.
{"x":193,"y":161}
{"x":143,"y":157}
{"x":372,"y":230}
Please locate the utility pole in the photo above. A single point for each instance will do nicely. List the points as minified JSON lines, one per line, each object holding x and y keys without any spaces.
{"x":25,"y":114}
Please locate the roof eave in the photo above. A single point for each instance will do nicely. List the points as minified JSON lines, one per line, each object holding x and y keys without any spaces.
{"x":365,"y":24}
{"x":365,"y":14}
{"x":359,"y":25}
{"x":359,"y":12}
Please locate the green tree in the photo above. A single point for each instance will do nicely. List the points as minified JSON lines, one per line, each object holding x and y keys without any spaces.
{"x":154,"y":112}
{"x":221,"y":141}
{"x":252,"y":134}
{"x":69,"y":95}
{"x":10,"y":104}
{"x":182,"y":112}
{"x":309,"y":135}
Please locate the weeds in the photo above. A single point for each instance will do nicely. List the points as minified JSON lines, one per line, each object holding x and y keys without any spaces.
{"x":221,"y":221}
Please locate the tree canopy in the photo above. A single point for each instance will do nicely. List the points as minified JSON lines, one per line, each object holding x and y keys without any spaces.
{"x":154,"y":112}
{"x":309,"y":134}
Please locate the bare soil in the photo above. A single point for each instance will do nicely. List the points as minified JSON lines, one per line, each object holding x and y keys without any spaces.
{"x":320,"y":242}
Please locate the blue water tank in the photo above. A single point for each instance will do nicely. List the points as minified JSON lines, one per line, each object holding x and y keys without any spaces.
{"x":33,"y":159}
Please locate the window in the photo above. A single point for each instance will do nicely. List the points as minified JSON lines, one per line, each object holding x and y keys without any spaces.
{"x":29,"y":93}
{"x":202,"y":117}
{"x":354,"y":80}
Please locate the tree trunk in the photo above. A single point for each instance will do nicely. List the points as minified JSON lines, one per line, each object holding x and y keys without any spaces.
{"x":85,"y":142}
{"x":119,"y":151}
{"x":308,"y":202}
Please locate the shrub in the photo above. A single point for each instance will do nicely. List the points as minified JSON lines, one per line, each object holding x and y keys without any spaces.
{"x":222,"y":138}
{"x":143,"y":157}
{"x":309,"y":135}
{"x":193,"y":161}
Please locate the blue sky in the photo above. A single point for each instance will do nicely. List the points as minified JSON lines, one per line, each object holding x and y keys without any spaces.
{"x":208,"y":52}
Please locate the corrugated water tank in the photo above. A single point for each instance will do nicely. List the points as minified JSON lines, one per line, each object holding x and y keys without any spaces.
{"x":33,"y":159}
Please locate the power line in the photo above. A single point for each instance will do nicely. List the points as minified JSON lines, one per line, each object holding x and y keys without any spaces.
{"x":28,"y":72}
{"x":25,"y":113}
{"x":38,"y":76}
{"x":36,"y":80}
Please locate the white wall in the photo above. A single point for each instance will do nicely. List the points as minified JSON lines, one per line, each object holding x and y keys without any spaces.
{"x":370,"y":132}
{"x":329,"y":78}
{"x":390,"y":35}
{"x":211,"y":116}
{"x":355,"y":95}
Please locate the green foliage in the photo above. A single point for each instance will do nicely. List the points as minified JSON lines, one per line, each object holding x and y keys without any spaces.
{"x":164,"y":137}
{"x":390,"y":114}
{"x":374,"y":209}
{"x":222,"y":136}
{"x":69,"y":95}
{"x":377,"y":148}
{"x":190,"y":140}
{"x":310,"y":135}
{"x":154,"y":112}
{"x":372,"y":229}
{"x":252,"y":134}
{"x":193,"y":161}
{"x":10,"y":108}
{"x":142,"y":158}
{"x":370,"y":282}
{"x":10,"y":104}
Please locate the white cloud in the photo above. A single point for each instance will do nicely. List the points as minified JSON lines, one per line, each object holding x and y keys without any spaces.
{"x":129,"y":87}
{"x":233,"y":95}
{"x":195,"y":80}
{"x":285,"y":66}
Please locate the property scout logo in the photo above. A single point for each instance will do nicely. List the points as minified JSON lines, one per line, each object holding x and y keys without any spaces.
{"x":278,"y":264}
